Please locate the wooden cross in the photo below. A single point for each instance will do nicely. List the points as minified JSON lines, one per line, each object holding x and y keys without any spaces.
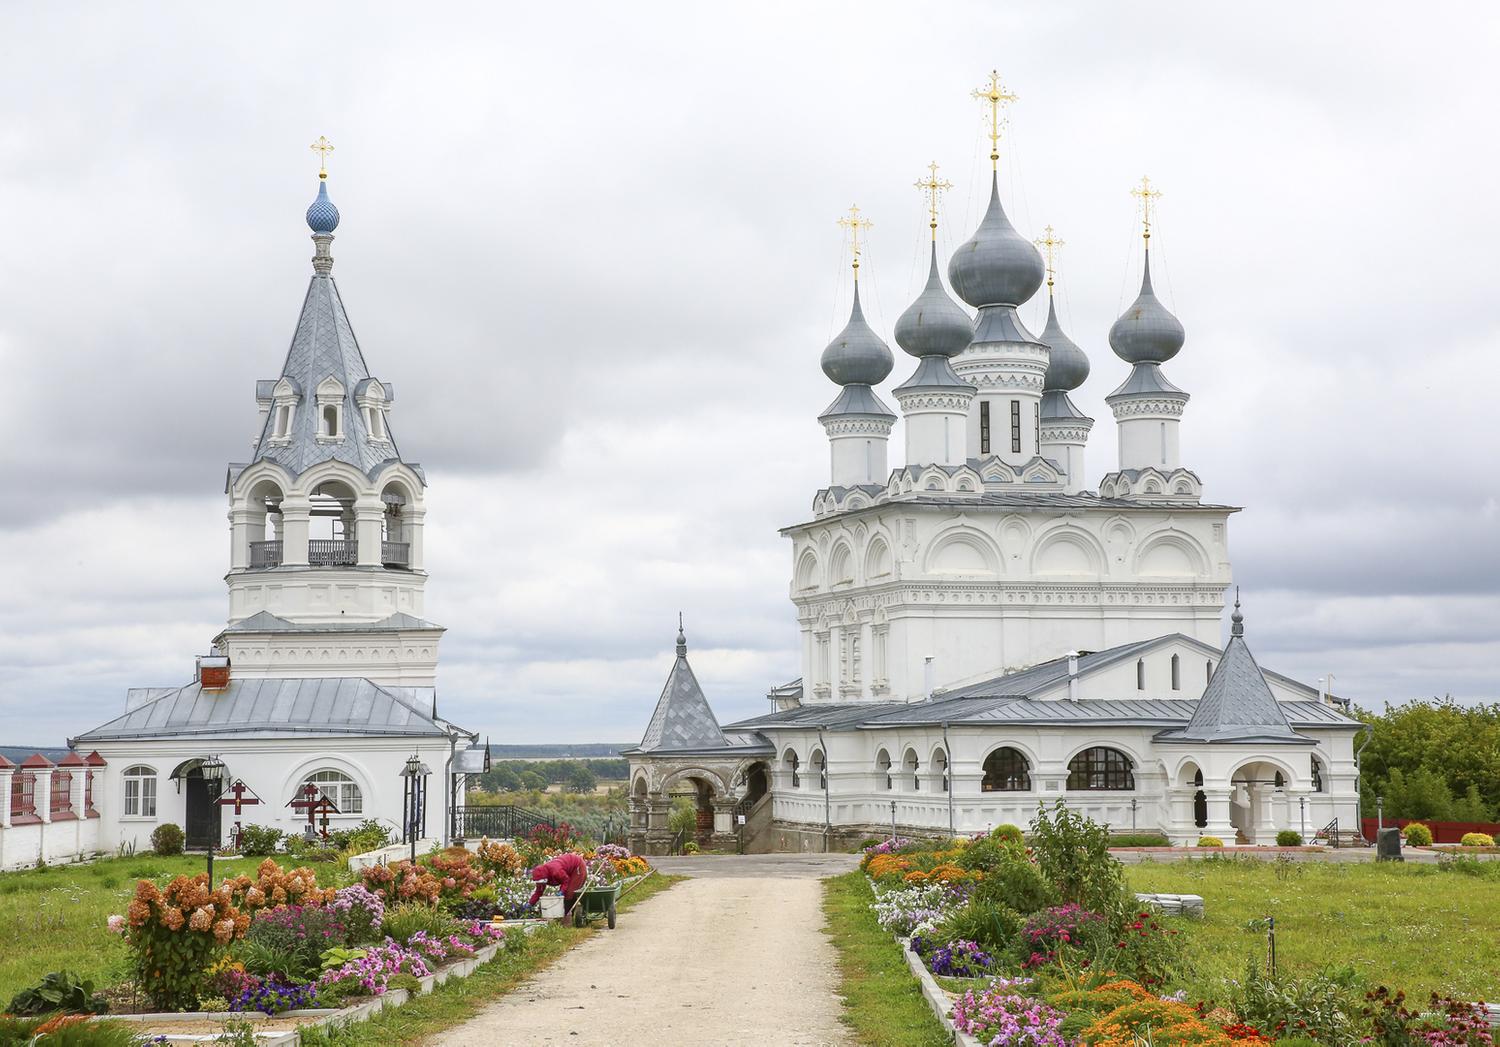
{"x":1146,"y":192}
{"x":1049,"y":243}
{"x":235,"y":797}
{"x":934,"y":188}
{"x":322,"y":147}
{"x":312,"y":801}
{"x":997,"y":97}
{"x":855,"y":223}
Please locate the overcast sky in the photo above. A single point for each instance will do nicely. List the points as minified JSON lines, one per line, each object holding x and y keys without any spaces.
{"x":594,"y":248}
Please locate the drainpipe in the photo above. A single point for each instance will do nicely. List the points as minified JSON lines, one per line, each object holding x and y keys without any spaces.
{"x":452,"y":787}
{"x":827,"y":820}
{"x":948,"y":770}
{"x":1359,"y":808}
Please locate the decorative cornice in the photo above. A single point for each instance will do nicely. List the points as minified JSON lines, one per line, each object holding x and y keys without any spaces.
{"x":945,"y":401}
{"x":858,"y":426}
{"x":1075,"y":431}
{"x":1124,"y":407}
{"x":1002,"y":592}
{"x":1030,"y":381}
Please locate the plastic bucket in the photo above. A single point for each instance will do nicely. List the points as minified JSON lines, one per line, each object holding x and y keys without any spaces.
{"x":552,"y":906}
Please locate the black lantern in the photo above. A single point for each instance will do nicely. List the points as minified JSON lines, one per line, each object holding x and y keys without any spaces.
{"x":212,"y":770}
{"x":414,"y":803}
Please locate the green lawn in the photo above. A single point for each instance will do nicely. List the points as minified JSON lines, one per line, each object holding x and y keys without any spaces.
{"x":54,"y":918}
{"x":1414,"y":927}
{"x":882,"y":1002}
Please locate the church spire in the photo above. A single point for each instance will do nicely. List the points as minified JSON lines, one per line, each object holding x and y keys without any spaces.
{"x":322,"y":216}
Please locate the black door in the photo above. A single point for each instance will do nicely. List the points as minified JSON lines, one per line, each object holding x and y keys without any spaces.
{"x":202,"y":828}
{"x":1200,"y":810}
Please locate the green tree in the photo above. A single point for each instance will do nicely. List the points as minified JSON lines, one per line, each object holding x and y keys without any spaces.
{"x":580,"y":779}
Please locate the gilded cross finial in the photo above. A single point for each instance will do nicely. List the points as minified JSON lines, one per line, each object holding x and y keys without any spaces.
{"x":996,"y":96}
{"x":1049,"y":243}
{"x":1146,"y":193}
{"x":322,"y":147}
{"x":856,"y":223}
{"x":933,"y":187}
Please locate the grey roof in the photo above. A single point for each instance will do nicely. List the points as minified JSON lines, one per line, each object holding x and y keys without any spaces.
{"x":857,"y":399}
{"x":1057,"y":404}
{"x":997,"y":265}
{"x":1146,"y":332}
{"x":683,"y":722}
{"x":324,"y":345}
{"x":1237,"y":704}
{"x":1067,"y":364}
{"x":266,"y":622}
{"x":857,"y":355}
{"x":1146,"y":379}
{"x":1014,"y":501}
{"x":934,"y":325}
{"x":935,"y":373}
{"x":1000,"y":323}
{"x":270,"y":707}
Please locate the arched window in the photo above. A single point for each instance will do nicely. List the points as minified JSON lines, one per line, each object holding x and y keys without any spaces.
{"x":1140,"y":674}
{"x":140,"y":792}
{"x":1176,"y":673}
{"x":340,"y":788}
{"x":791,"y":763}
{"x":1317,"y":775}
{"x":1005,"y":771}
{"x":883,"y":768}
{"x":821,"y":766}
{"x":940,"y":769}
{"x":330,"y":420}
{"x":909,"y":765}
{"x":1100,"y":768}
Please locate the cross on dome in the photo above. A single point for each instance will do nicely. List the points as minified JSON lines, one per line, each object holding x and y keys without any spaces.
{"x":1049,"y":243}
{"x":1146,"y":193}
{"x":933,"y":188}
{"x":322,"y":147}
{"x":855,"y":223}
{"x":997,"y":97}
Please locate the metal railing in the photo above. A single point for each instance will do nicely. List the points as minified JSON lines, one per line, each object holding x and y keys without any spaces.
{"x":265,"y":554}
{"x":332,"y":552}
{"x":1330,"y":832}
{"x":395,"y":554}
{"x":502,"y":821}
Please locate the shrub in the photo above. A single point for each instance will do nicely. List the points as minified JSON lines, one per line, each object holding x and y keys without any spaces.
{"x":691,"y":847}
{"x":289,"y":941}
{"x":1007,"y":834}
{"x":1210,"y":841}
{"x":1477,"y":840}
{"x":993,"y":926}
{"x":1321,"y":1006}
{"x":1139,"y":840}
{"x":985,"y":855}
{"x":500,"y":859}
{"x":1163,"y":1021}
{"x":1288,"y":838}
{"x":1445,"y":1022}
{"x":167,"y":839}
{"x":405,"y":921}
{"x":402,"y":881}
{"x":1417,"y":835}
{"x":457,"y":874}
{"x":68,"y":1031}
{"x":1017,"y":883}
{"x":175,"y":935}
{"x":59,"y":991}
{"x":1145,"y":949}
{"x":1073,"y":853}
{"x":361,"y":913}
{"x":259,"y":840}
{"x":368,"y":835}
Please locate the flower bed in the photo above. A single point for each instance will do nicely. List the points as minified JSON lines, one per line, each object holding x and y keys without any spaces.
{"x":1043,"y":945}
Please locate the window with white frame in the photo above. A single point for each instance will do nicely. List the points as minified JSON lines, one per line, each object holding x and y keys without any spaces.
{"x":340,"y":788}
{"x":140,"y":792}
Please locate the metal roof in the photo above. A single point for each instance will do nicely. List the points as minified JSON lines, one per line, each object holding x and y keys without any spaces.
{"x":1237,"y":705}
{"x":268,"y":707}
{"x":266,"y":622}
{"x":683,"y":721}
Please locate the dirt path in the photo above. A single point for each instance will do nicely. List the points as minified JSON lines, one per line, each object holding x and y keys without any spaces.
{"x":718,"y":960}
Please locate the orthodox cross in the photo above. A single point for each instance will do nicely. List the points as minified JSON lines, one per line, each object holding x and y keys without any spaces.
{"x":1146,"y":193}
{"x":312,"y":801}
{"x":322,"y":147}
{"x":933,"y":188}
{"x":1049,"y":243}
{"x":235,"y":796}
{"x":856,"y":223}
{"x":996,"y":96}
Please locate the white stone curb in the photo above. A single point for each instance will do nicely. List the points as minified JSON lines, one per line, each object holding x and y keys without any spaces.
{"x":936,"y":998}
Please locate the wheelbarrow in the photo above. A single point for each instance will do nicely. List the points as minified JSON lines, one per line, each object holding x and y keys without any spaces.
{"x":595,"y":901}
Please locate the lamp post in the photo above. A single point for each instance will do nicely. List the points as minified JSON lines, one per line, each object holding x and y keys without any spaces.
{"x":212,"y":770}
{"x":1132,"y":814}
{"x":414,"y":775}
{"x":1302,"y":803}
{"x":893,"y":819}
{"x":1379,"y":815}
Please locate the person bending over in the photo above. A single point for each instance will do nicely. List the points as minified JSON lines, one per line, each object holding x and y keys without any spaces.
{"x":566,"y":871}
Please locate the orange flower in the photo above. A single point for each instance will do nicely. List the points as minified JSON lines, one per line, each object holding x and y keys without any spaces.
{"x":201,"y":919}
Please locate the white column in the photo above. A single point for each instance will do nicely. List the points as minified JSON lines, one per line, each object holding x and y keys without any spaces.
{"x":368,"y":514}
{"x":42,"y":793}
{"x":413,"y":517}
{"x":295,"y":520}
{"x":6,"y":775}
{"x":241,"y":534}
{"x":1218,"y":814}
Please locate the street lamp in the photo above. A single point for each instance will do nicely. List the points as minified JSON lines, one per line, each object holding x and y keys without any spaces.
{"x":1302,"y":802}
{"x":893,"y":820}
{"x":414,"y":800}
{"x":212,"y":770}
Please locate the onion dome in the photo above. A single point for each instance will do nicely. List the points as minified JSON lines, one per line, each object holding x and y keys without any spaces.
{"x":857,"y":356}
{"x":322,"y":216}
{"x":934,"y":325}
{"x":1067,"y":365}
{"x":1146,"y":333}
{"x":997,"y":266}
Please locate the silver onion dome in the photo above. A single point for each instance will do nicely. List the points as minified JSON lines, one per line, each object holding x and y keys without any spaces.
{"x":857,"y":356}
{"x":1146,"y":333}
{"x":1067,"y":365}
{"x":934,"y":325}
{"x":997,"y":266}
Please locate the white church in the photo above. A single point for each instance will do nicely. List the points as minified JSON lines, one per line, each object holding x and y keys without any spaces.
{"x":325,"y":672}
{"x":981,"y":631}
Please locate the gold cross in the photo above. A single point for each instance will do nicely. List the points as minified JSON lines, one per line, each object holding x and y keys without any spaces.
{"x":933,"y":187}
{"x":995,"y":95}
{"x":855,"y":223}
{"x":1146,"y":193}
{"x":1049,"y":243}
{"x":322,"y":147}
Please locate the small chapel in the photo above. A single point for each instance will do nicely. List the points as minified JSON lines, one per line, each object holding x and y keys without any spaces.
{"x":982,"y":631}
{"x":317,"y":704}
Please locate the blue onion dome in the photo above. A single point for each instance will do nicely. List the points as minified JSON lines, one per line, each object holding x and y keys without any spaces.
{"x":322,"y":216}
{"x":997,"y":266}
{"x":1147,"y":333}
{"x":857,"y":356}
{"x":1067,"y":365}
{"x":934,"y":325}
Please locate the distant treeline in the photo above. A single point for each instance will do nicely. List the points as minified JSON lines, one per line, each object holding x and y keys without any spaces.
{"x":578,"y":776}
{"x":579,"y":751}
{"x":1433,"y":759}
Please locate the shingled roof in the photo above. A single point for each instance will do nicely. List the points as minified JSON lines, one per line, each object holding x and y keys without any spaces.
{"x":683,"y":721}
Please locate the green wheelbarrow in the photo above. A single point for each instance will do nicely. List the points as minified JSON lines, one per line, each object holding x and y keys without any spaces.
{"x":597,"y":901}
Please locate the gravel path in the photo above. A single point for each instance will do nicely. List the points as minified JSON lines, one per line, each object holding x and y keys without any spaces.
{"x":728,"y":959}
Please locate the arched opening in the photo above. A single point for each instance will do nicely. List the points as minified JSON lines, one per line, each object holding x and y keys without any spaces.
{"x":910,"y":768}
{"x":940,"y":770}
{"x":1006,"y":770}
{"x":330,"y":427}
{"x":201,"y":824}
{"x":337,"y":786}
{"x":820,"y":768}
{"x":1317,"y":775}
{"x":1101,"y":769}
{"x":395,"y":527}
{"x":791,"y":766}
{"x":1176,"y":673}
{"x":883,"y":769}
{"x":1200,"y":798}
{"x":692,"y":814}
{"x":331,"y":540}
{"x":264,"y":532}
{"x":757,"y":782}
